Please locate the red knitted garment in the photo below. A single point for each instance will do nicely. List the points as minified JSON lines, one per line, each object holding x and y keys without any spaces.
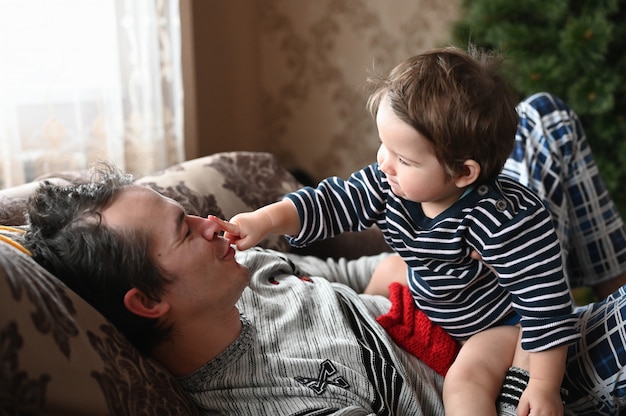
{"x":412,"y":330}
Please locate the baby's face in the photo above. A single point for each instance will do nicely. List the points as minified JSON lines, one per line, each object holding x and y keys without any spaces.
{"x":408,"y":160}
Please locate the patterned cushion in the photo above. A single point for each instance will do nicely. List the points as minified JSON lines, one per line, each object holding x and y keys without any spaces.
{"x":59,"y":356}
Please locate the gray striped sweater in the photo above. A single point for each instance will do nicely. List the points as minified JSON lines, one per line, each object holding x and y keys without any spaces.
{"x":312,"y":347}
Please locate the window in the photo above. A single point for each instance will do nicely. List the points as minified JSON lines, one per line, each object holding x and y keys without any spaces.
{"x":83,"y":80}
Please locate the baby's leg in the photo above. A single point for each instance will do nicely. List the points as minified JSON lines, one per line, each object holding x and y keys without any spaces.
{"x":390,"y":269}
{"x":473,"y":383}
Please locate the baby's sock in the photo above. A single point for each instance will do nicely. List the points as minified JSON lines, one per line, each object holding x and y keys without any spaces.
{"x":514,"y":384}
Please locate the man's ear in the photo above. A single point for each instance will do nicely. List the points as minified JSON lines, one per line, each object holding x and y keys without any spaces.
{"x":469,"y":174}
{"x":140,"y":304}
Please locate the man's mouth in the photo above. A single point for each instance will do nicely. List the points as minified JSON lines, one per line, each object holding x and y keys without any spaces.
{"x":229,"y":252}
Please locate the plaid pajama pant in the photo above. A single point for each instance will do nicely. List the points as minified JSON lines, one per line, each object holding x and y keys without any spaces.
{"x":552,"y":157}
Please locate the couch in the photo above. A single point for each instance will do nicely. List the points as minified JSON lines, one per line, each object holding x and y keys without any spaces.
{"x":59,"y":356}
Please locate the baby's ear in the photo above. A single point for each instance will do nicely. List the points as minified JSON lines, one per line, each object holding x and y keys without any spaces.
{"x":140,"y":304}
{"x":468,"y":175}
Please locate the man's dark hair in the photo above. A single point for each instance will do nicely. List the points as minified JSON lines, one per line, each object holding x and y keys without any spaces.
{"x":66,"y":236}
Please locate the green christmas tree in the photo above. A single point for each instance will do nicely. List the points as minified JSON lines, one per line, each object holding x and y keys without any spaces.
{"x":574,"y":49}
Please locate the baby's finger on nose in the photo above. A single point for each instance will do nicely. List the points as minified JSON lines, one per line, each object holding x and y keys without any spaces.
{"x":224,"y":225}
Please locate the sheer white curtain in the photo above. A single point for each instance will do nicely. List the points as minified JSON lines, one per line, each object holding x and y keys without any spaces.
{"x":85,"y":80}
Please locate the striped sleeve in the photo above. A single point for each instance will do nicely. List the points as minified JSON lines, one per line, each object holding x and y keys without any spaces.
{"x":338,"y":206}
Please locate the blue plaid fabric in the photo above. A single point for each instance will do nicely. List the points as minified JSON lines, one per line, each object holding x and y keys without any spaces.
{"x":595,"y":377}
{"x":552,"y":157}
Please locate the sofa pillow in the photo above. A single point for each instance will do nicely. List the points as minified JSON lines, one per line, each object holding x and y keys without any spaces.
{"x":59,"y":356}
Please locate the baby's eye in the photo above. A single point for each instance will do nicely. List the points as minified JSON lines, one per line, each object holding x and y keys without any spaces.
{"x":402,"y":161}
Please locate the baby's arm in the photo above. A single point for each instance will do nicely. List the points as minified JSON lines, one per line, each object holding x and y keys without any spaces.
{"x":247,"y":229}
{"x":542,"y":395}
{"x":546,"y":371}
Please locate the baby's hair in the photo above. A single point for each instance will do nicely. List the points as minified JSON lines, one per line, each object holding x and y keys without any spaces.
{"x":459,"y":101}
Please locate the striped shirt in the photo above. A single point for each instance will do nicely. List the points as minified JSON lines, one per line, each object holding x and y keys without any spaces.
{"x":506,"y":223}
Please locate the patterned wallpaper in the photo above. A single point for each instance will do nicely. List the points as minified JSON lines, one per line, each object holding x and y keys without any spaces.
{"x":315,"y":56}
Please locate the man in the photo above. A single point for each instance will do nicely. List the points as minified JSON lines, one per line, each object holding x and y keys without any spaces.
{"x":257,"y":332}
{"x":263,"y":339}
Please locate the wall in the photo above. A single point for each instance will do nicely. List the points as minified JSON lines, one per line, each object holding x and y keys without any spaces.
{"x":220,"y":75}
{"x":287,"y":76}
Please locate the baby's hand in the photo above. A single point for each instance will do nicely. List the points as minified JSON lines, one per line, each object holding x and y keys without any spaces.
{"x":243,"y":230}
{"x":231,"y":230}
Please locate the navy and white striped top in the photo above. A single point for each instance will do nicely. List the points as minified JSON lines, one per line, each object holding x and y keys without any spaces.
{"x":502,"y":220}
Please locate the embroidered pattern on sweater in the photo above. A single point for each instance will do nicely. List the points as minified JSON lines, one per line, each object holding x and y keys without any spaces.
{"x":319,"y":384}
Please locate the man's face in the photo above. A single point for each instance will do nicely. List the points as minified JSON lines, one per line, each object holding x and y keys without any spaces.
{"x":206,"y":279}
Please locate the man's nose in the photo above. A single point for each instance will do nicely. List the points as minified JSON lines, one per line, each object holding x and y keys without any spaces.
{"x":209,"y":230}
